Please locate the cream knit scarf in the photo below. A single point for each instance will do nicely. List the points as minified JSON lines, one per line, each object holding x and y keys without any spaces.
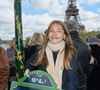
{"x":55,"y":70}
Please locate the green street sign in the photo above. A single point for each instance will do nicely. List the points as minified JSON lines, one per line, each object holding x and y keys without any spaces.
{"x":38,"y":80}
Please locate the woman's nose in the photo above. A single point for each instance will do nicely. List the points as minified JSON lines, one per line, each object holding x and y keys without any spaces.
{"x":54,"y":33}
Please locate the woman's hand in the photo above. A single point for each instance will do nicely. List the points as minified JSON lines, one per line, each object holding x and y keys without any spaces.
{"x":91,"y":60}
{"x":27,"y":73}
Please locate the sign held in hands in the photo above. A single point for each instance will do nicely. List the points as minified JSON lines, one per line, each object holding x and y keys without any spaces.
{"x":38,"y":80}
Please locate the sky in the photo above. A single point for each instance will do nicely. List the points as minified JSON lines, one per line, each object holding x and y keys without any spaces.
{"x":37,"y":15}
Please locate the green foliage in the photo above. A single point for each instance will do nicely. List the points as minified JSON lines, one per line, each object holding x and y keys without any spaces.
{"x":84,"y":35}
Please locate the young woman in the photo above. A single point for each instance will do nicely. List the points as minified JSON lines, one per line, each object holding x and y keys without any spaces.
{"x":57,"y":57}
{"x":36,"y":42}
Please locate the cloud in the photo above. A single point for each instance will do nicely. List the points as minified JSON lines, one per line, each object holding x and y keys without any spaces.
{"x":37,"y":4}
{"x":6,"y":19}
{"x":35,"y":23}
{"x":54,"y":9}
{"x":89,"y":2}
{"x":89,"y":19}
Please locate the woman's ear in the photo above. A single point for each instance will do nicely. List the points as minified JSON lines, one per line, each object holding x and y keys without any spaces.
{"x":64,"y":36}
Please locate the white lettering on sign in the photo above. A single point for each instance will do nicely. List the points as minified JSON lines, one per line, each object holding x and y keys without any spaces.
{"x":38,"y":80}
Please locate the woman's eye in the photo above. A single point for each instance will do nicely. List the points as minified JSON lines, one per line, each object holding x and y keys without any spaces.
{"x":51,"y":30}
{"x":58,"y":31}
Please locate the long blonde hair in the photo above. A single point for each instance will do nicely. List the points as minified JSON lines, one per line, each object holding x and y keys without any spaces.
{"x":42,"y":58}
{"x":37,"y":38}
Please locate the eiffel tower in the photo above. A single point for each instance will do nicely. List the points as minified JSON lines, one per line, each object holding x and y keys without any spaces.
{"x":72,"y":16}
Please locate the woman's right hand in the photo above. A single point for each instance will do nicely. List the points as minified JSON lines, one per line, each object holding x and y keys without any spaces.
{"x":27,"y":73}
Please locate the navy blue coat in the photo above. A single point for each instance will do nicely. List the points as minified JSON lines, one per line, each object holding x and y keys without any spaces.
{"x":69,"y":77}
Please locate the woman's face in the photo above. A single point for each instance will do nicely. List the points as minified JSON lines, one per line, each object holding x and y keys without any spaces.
{"x":56,"y":33}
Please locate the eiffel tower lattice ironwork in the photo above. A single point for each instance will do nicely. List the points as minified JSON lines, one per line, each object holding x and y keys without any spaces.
{"x":72,"y":15}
